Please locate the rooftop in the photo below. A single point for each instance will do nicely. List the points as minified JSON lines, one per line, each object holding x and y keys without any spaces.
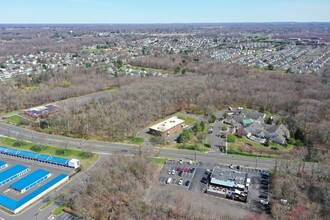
{"x":2,"y":163}
{"x":32,"y":155}
{"x":30,"y":179}
{"x":11,"y":172}
{"x":167,"y":124}
{"x":228,"y":177}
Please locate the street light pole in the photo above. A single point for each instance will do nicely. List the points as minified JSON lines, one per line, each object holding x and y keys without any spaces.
{"x":256,"y":161}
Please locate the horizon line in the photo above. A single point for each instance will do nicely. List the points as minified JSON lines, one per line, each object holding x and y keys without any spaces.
{"x":161,"y":23}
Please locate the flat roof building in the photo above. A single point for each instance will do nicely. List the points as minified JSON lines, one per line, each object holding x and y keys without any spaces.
{"x":228,"y":178}
{"x":3,"y":165}
{"x":12,"y":173}
{"x":44,"y":158}
{"x":16,"y":206}
{"x":30,"y":181}
{"x":167,"y":127}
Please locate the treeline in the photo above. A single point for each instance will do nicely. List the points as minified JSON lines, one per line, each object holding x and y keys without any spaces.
{"x":118,"y":190}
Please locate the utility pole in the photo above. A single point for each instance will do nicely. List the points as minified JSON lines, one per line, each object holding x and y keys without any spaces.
{"x":256,"y":161}
{"x":226,"y":144}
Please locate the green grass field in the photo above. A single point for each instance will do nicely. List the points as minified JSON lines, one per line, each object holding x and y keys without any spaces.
{"x":15,"y":119}
{"x":84,"y":157}
{"x":246,"y":147}
{"x":135,"y":141}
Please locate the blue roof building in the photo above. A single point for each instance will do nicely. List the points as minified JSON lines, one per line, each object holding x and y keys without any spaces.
{"x":3,"y":165}
{"x":37,"y":157}
{"x":31,"y":180}
{"x":12,"y":173}
{"x":17,"y":206}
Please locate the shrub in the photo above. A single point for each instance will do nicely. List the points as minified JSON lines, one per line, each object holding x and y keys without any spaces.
{"x":36,"y":148}
{"x":231,"y":138}
{"x":60,"y":151}
{"x":185,"y":136}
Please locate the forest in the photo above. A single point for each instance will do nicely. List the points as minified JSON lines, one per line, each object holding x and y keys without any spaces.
{"x":119,"y":190}
{"x":302,"y":101}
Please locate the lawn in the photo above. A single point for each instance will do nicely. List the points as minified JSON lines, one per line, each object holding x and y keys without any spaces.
{"x":187,"y":120}
{"x":159,"y":160}
{"x":244,"y":146}
{"x":15,"y":119}
{"x":135,"y":141}
{"x":85,"y":158}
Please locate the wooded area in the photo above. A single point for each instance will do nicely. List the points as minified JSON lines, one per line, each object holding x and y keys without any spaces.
{"x":118,"y":190}
{"x":302,"y":101}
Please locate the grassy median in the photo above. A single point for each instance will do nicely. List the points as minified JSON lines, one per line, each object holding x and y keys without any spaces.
{"x":86,"y":158}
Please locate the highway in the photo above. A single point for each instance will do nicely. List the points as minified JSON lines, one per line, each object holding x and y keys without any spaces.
{"x":111,"y":148}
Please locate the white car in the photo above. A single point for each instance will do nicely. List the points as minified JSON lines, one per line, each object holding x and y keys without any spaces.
{"x":264,"y":202}
{"x":181,"y":161}
{"x":169,"y":180}
{"x":190,"y":162}
{"x":173,"y":172}
{"x":180,"y":182}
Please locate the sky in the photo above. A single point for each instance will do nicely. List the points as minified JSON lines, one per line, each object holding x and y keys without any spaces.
{"x":163,"y":11}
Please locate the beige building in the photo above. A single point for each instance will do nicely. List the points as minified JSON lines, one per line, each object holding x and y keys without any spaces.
{"x":167,"y":127}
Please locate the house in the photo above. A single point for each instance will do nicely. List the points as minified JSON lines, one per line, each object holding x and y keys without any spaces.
{"x":252,"y":124}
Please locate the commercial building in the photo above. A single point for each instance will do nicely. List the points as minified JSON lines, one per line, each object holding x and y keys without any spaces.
{"x":12,"y":173}
{"x":30,"y":181}
{"x":3,"y":165}
{"x":167,"y":127}
{"x":42,"y":111}
{"x":43,"y":158}
{"x":228,"y":178}
{"x":16,"y":206}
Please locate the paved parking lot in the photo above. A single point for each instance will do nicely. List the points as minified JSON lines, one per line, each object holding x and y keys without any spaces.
{"x":196,"y":171}
{"x":177,"y":171}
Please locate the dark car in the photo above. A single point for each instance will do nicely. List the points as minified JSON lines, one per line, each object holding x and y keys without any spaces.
{"x":204,"y":180}
{"x":191,"y":170}
{"x":264,"y":182}
{"x":263,"y":196}
{"x":187,"y":183}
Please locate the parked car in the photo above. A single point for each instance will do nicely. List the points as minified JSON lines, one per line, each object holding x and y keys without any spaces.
{"x":173,"y":172}
{"x":169,"y":180}
{"x":178,"y":169}
{"x":264,"y":202}
{"x":180,"y":182}
{"x":265,"y":182}
{"x":190,"y":162}
{"x":263,"y":196}
{"x":181,"y":161}
{"x":204,"y":180}
{"x":192,"y":170}
{"x":187,"y":183}
{"x":186,"y":170}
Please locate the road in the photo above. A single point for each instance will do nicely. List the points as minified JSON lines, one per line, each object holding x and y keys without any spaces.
{"x":111,"y":148}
